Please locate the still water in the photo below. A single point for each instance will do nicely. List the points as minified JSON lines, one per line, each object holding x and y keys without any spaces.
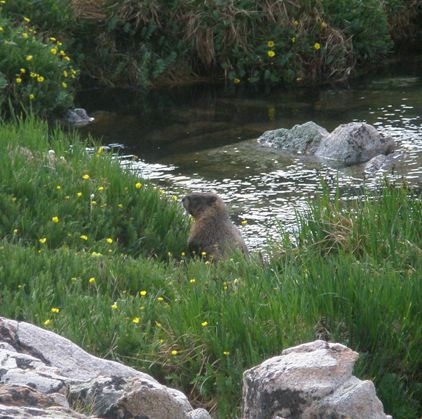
{"x":203,"y":138}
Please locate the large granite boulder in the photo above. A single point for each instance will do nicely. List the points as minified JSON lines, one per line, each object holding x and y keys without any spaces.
{"x":61,"y":375}
{"x":354,"y":143}
{"x":348,"y":144}
{"x":309,"y":381}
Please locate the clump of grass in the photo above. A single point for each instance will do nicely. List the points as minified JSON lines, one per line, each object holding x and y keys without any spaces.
{"x":352,"y":275}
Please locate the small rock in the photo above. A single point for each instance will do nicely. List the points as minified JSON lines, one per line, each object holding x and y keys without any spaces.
{"x":78,"y":117}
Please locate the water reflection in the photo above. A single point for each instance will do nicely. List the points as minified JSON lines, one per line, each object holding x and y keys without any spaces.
{"x":201,"y":139}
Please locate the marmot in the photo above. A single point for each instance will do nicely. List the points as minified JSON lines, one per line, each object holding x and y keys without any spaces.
{"x":212,"y":231}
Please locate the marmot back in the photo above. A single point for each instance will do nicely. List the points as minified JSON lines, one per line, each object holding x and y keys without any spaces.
{"x":212,"y":231}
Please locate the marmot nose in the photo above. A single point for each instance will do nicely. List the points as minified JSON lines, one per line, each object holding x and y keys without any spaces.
{"x":183,"y":199}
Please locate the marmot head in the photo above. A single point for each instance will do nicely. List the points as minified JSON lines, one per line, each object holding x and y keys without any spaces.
{"x":198,"y":202}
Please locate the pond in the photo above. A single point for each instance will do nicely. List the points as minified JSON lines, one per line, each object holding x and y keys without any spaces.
{"x":203,"y":138}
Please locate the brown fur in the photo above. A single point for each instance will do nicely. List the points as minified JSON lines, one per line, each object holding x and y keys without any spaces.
{"x":212,"y":231}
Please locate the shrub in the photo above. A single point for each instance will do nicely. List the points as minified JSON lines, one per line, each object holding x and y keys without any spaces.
{"x":36,"y":74}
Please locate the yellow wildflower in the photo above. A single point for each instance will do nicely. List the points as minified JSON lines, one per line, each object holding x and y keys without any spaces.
{"x":136,"y":320}
{"x":47,"y":322}
{"x":53,"y":51}
{"x":271,"y":53}
{"x":83,"y":237}
{"x":22,"y":70}
{"x":66,"y":58}
{"x":29,"y":58}
{"x":204,"y":324}
{"x":62,"y":53}
{"x":226,"y":353}
{"x":58,"y":187}
{"x":203,"y":253}
{"x":1,"y":29}
{"x":174,"y":352}
{"x":295,"y":22}
{"x":65,"y":73}
{"x":114,"y":306}
{"x":270,"y":44}
{"x":85,"y":177}
{"x":52,"y":39}
{"x":236,"y":80}
{"x":78,"y":194}
{"x":293,"y":40}
{"x":43,"y":240}
{"x":183,"y":254}
{"x":317,"y":46}
{"x":138,"y":185}
{"x":243,"y":222}
{"x":96,"y":254}
{"x":101,"y":188}
{"x":160,"y":299}
{"x":55,"y":310}
{"x":143,"y":293}
{"x":40,"y":79}
{"x":31,"y":96}
{"x":26,"y":19}
{"x":161,"y":341}
{"x":64,"y":85}
{"x":192,"y":281}
{"x":33,"y":75}
{"x":18,"y":80}
{"x":120,"y":205}
{"x":91,"y":280}
{"x":24,"y":35}
{"x":55,"y":219}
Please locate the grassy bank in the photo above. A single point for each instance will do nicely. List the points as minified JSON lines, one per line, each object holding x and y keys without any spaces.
{"x":100,"y":274}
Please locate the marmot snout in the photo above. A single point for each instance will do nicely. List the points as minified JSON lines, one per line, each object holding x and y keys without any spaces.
{"x":212,"y":231}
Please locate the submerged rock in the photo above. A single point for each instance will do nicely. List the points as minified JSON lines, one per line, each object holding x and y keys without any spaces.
{"x":383,"y":163}
{"x":54,"y":373}
{"x":348,"y":144}
{"x":78,"y":117}
{"x":313,"y":380}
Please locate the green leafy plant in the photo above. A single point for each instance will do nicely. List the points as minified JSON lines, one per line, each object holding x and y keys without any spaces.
{"x":37,"y":73}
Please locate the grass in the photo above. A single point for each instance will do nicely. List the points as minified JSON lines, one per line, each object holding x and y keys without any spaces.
{"x":352,"y":274}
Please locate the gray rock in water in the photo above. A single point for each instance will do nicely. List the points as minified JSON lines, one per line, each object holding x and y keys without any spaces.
{"x":348,"y":144}
{"x":78,"y":117}
{"x":354,"y":143}
{"x":313,"y":380}
{"x":383,"y":163}
{"x":302,"y":139}
{"x":31,"y":357}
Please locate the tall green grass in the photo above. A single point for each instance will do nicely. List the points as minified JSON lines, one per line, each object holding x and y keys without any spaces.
{"x":353,"y":275}
{"x":92,"y":200}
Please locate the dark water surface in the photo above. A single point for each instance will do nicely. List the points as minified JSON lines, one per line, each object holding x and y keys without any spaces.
{"x":203,"y":138}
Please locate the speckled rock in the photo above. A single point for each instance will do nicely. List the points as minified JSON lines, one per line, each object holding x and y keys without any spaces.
{"x":310,"y":381}
{"x":302,"y":139}
{"x":354,"y":143}
{"x":50,"y":365}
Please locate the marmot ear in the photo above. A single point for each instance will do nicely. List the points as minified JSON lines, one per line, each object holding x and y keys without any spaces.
{"x":211,"y":199}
